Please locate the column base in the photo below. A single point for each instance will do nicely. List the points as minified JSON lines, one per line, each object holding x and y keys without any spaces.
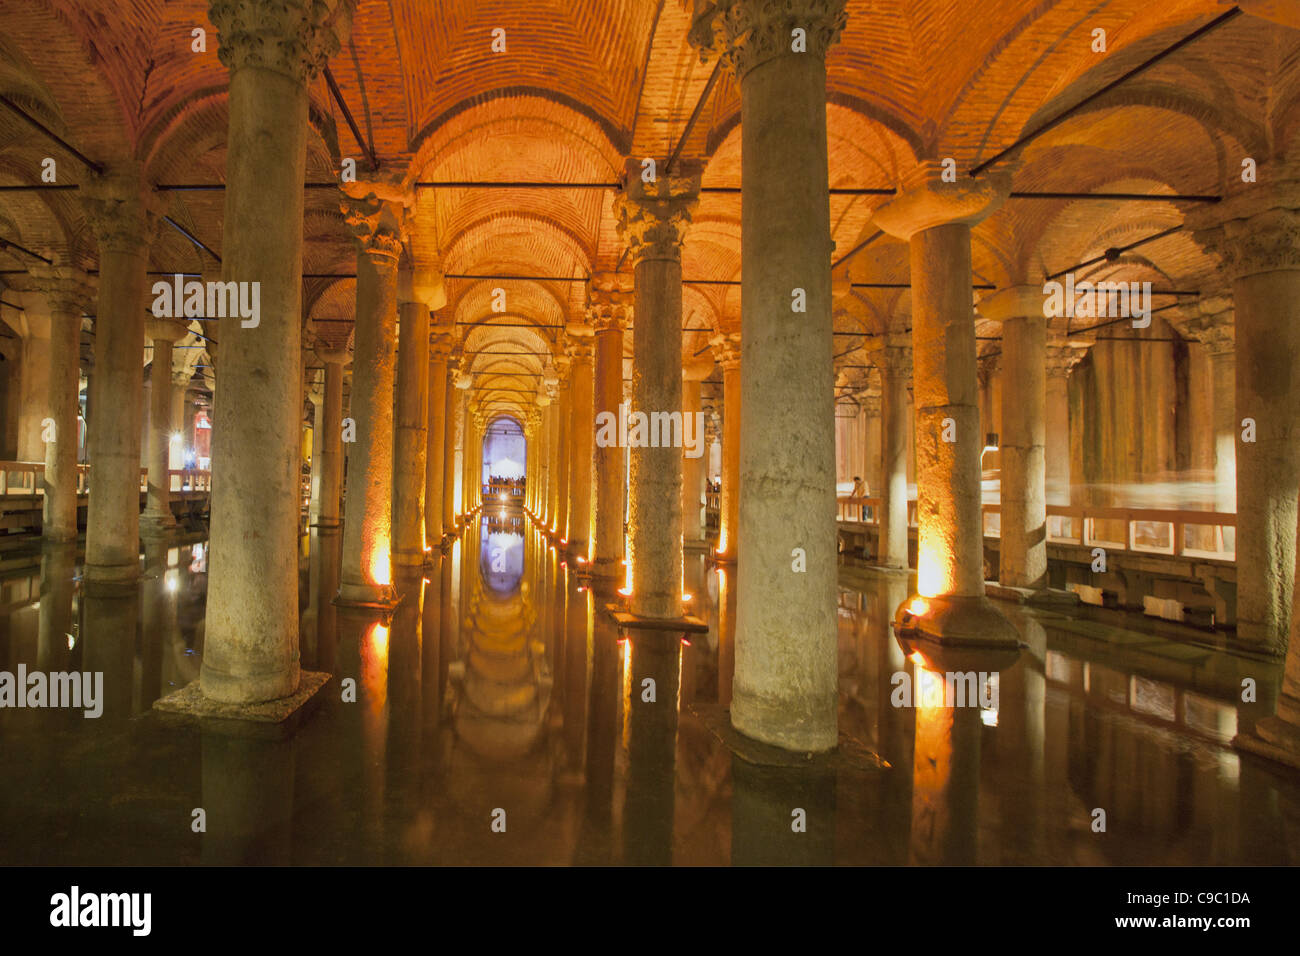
{"x":156,"y":524}
{"x":379,"y":596}
{"x":697,"y":545}
{"x":271,"y":718}
{"x":728,"y":559}
{"x":111,"y":578}
{"x":961,"y":622}
{"x":1273,"y":738}
{"x":409,"y":559}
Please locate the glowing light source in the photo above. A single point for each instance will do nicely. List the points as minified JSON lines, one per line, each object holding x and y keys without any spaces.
{"x":916,"y":657}
{"x":380,"y":566}
{"x":930,"y":572}
{"x":918,"y":606}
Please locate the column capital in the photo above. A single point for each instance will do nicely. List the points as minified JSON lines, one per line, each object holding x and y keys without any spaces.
{"x":726,"y":350}
{"x":891,"y":355}
{"x":181,"y":377}
{"x":926,"y":201}
{"x":1212,"y":326}
{"x":374,"y":212}
{"x":1063,"y":354}
{"x":158,"y":329}
{"x":747,"y":33}
{"x":1256,"y":230}
{"x":121,"y":209}
{"x":697,"y":369}
{"x":291,"y":37}
{"x":64,"y":288}
{"x":1012,"y":302}
{"x":424,"y":286}
{"x":870,"y":403}
{"x":609,"y":301}
{"x":441,"y":343}
{"x":652,"y":217}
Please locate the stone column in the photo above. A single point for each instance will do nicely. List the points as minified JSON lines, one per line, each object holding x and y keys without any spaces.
{"x":693,"y":468}
{"x":895,"y":364}
{"x":374,"y":212}
{"x":1213,"y":327}
{"x":785,"y":687}
{"x":1061,"y":358}
{"x":439,"y":350}
{"x":250,"y":651}
{"x":34,"y":328}
{"x":582,"y":433}
{"x":1023,"y":558}
{"x":553,"y":459}
{"x":564,"y":426}
{"x":329,"y":443}
{"x":1254,"y":234}
{"x":123,"y":214}
{"x":652,"y":220}
{"x":726,"y":351}
{"x":65,"y":292}
{"x":936,"y":219}
{"x":452,"y":415}
{"x":411,"y":438}
{"x":157,"y":517}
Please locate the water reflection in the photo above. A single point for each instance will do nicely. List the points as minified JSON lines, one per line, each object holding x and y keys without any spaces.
{"x":497,"y":715}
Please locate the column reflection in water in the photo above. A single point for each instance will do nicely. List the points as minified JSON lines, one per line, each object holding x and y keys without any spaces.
{"x":110,"y":618}
{"x":405,"y":676}
{"x":248,"y":787}
{"x":764,"y":804}
{"x":651,"y":681}
{"x":363,"y":648}
{"x":158,"y":592}
{"x":595,"y":838}
{"x":55,"y":638}
{"x":573,"y":697}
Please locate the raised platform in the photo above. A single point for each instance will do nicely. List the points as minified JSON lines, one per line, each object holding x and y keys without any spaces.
{"x":272,"y":718}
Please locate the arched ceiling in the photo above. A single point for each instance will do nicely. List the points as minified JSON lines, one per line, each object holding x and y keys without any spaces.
{"x":583,"y":84}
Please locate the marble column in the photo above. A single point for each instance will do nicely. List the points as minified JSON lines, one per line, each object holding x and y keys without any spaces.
{"x":726,"y":351}
{"x":1061,"y":358}
{"x":123,"y":215}
{"x":374,"y":211}
{"x":451,"y":415}
{"x":439,"y":350}
{"x":1253,"y":232}
{"x":553,"y":459}
{"x":564,"y":428}
{"x":34,"y":329}
{"x":582,"y":434}
{"x":329,"y":443}
{"x":65,"y":292}
{"x":157,"y":517}
{"x":1022,"y":559}
{"x":936,"y":219}
{"x":251,"y":651}
{"x":785,"y":688}
{"x":652,"y":221}
{"x":411,"y":438}
{"x":895,"y":364}
{"x":693,"y":465}
{"x":1213,"y":327}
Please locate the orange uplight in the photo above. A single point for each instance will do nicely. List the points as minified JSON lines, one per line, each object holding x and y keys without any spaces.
{"x":930,"y":572}
{"x":580,"y":559}
{"x":381,"y":567}
{"x":916,"y":657}
{"x":918,"y":606}
{"x":379,"y":640}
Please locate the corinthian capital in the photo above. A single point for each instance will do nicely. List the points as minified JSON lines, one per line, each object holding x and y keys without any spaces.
{"x":746,"y":33}
{"x":1257,"y":230}
{"x":374,"y":213}
{"x":726,"y":350}
{"x":122,"y":210}
{"x":66,"y":290}
{"x":652,"y":217}
{"x":292,"y":37}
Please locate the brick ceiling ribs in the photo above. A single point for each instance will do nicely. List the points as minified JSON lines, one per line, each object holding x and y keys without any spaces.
{"x":514,"y":155}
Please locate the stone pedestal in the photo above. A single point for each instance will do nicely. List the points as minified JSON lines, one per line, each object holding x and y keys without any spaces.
{"x":652,"y":222}
{"x":1253,"y":233}
{"x":936,"y":219}
{"x":123,"y":214}
{"x":250,"y":652}
{"x":1023,"y":555}
{"x":374,"y":211}
{"x":65,"y":293}
{"x":785,"y":687}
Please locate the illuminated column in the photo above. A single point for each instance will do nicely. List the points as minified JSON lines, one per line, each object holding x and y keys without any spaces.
{"x":439,"y":350}
{"x":727,"y":353}
{"x":374,"y":212}
{"x":936,"y":219}
{"x":693,"y":468}
{"x":33,"y":327}
{"x":416,"y":294}
{"x":582,"y":433}
{"x":785,"y":687}
{"x":1213,"y":328}
{"x":1061,"y":358}
{"x":123,"y":215}
{"x":1022,"y":561}
{"x":1254,"y":234}
{"x":250,"y":651}
{"x":66,"y":292}
{"x":452,"y":415}
{"x":652,"y":220}
{"x":158,"y":517}
{"x":895,"y":364}
{"x":329,"y":443}
{"x":553,"y":457}
{"x":564,"y":428}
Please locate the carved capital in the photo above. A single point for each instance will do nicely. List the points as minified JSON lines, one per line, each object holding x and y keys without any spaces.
{"x":652,"y":217}
{"x":726,"y":350}
{"x":1063,"y":355}
{"x":926,"y":201}
{"x":67,"y":291}
{"x":896,"y":359}
{"x":292,"y":37}
{"x":121,"y":209}
{"x":1255,"y":230}
{"x":747,"y":33}
{"x":375,"y":221}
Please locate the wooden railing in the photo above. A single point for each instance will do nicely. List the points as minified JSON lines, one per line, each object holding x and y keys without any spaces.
{"x":1170,"y":531}
{"x":493,"y":490}
{"x":27,"y":479}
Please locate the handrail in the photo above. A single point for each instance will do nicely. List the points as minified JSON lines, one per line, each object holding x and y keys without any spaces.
{"x":181,"y":481}
{"x":1142,"y":527}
